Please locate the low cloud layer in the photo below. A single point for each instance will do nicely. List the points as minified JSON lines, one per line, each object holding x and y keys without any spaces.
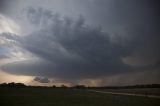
{"x":41,"y":79}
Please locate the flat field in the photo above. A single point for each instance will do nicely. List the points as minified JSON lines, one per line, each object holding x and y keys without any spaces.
{"x":144,"y":91}
{"x":68,"y":97}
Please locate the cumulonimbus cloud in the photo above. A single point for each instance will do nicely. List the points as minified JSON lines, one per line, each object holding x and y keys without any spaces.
{"x":70,"y":49}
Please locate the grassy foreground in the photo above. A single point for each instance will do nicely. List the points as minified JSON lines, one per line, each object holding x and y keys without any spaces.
{"x":68,"y":97}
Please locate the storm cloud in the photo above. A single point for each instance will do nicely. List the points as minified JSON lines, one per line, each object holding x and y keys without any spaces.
{"x":72,"y":49}
{"x":41,"y":79}
{"x":65,"y":47}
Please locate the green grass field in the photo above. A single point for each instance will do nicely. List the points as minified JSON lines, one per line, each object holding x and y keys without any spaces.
{"x":68,"y":97}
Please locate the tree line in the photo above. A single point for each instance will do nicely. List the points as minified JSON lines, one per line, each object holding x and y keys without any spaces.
{"x":22,"y":85}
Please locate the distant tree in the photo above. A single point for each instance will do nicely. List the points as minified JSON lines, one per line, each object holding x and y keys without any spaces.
{"x":80,"y":86}
{"x":53,"y":86}
{"x":3,"y":84}
{"x":20,"y":85}
{"x":12,"y":84}
{"x":64,"y":86}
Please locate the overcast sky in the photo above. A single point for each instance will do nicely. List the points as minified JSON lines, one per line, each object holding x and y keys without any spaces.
{"x":91,"y":42}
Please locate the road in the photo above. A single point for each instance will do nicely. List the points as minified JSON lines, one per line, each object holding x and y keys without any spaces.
{"x":129,"y":94}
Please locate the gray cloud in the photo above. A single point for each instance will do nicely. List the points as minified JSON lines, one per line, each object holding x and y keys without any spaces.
{"x":71,"y":49}
{"x":2,"y":5}
{"x":41,"y":79}
{"x":3,"y":57}
{"x":135,"y":20}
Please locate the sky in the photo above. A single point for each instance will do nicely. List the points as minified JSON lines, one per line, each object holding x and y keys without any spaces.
{"x":89,"y":42}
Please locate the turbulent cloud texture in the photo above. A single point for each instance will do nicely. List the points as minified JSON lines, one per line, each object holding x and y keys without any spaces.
{"x":67,"y":48}
{"x":72,"y":49}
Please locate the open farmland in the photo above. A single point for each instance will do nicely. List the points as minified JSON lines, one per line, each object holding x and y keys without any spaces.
{"x":142,"y":91}
{"x":68,"y":97}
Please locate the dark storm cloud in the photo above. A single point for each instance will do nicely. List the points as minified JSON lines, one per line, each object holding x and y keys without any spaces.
{"x":73,"y":50}
{"x":9,"y":36}
{"x":142,"y":24}
{"x":39,"y":16}
{"x":3,"y":57}
{"x":41,"y":79}
{"x":3,"y":4}
{"x":137,"y":20}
